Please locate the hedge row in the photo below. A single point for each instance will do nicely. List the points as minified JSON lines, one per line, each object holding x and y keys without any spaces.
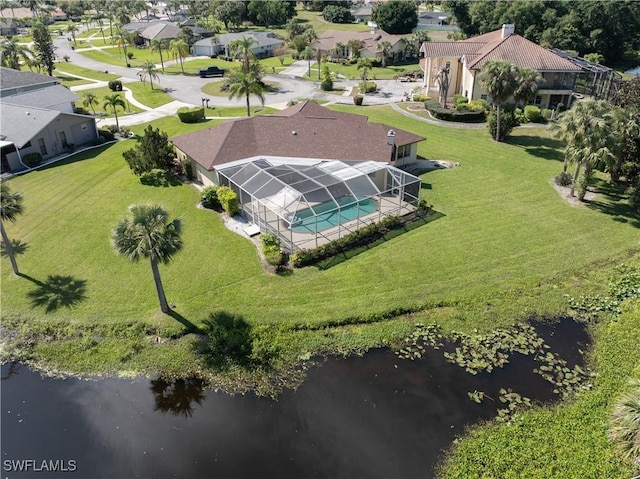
{"x":453,"y":115}
{"x":367,"y":234}
{"x":191,"y":115}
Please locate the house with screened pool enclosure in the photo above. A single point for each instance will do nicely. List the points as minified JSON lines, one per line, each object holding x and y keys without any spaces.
{"x":308,"y":174}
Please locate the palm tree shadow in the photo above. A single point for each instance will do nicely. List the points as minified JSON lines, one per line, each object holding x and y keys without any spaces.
{"x":19,"y":247}
{"x":57,"y":291}
{"x":189,"y":326}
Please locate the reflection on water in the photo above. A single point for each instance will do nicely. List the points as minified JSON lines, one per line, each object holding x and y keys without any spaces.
{"x":374,"y":417}
{"x":178,"y":395}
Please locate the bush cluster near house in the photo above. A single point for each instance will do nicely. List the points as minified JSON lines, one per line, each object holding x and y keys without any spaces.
{"x":152,"y":152}
{"x":461,"y":113}
{"x":228,"y":199}
{"x":209,"y":198}
{"x":271,"y":249}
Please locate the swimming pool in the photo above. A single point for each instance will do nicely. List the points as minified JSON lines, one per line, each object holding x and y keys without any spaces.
{"x":328,"y":216}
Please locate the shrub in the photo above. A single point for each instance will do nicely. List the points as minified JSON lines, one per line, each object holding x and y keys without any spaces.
{"x":462,"y":107}
{"x":228,"y":338}
{"x":459,"y":100}
{"x":158,"y":177}
{"x":532,"y":113}
{"x":357,"y":100}
{"x":32,"y":159}
{"x":326,"y":84}
{"x":98,"y":141}
{"x":228,"y":200}
{"x":153,"y":151}
{"x":421,"y":97}
{"x":563,"y":179}
{"x":269,"y":240}
{"x":115,"y":85}
{"x":520,"y":117}
{"x":188,"y":169}
{"x":507,"y":123}
{"x":634,"y":195}
{"x":191,"y":115}
{"x":546,"y":114}
{"x":106,"y":134}
{"x":453,"y":115}
{"x":129,"y":55}
{"x":209,"y":198}
{"x":368,"y":87}
{"x":479,"y":105}
{"x":273,"y":255}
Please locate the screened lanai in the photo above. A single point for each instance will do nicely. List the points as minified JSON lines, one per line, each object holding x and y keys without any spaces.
{"x":308,"y":203}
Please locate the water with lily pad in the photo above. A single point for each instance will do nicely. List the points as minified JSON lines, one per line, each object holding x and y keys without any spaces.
{"x":377,"y":416}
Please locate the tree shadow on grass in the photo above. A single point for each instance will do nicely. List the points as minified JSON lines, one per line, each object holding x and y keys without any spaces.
{"x":546,"y":148}
{"x":188,"y":325}
{"x":177,"y":396}
{"x":615,"y":203}
{"x":19,"y":247}
{"x":56,"y":291}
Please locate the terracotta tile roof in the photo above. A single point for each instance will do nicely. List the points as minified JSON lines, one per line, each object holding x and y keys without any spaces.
{"x":524,"y":53}
{"x":491,"y":46}
{"x":449,"y":49}
{"x":305,"y":130}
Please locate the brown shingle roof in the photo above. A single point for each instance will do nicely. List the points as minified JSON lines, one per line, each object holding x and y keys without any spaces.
{"x":331,"y":38}
{"x":319,"y":133}
{"x":491,"y":46}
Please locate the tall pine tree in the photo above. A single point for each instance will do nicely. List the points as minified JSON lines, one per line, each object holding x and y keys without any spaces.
{"x":43,"y":47}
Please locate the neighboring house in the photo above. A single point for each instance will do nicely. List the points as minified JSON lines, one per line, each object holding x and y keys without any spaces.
{"x":8,"y":26}
{"x":467,"y":57}
{"x":308,"y":174}
{"x":363,"y":13}
{"x":334,"y":43}
{"x":58,"y":16}
{"x":147,"y":31}
{"x":264,"y":44}
{"x":36,"y":115}
{"x":433,"y":18}
{"x":18,"y":12}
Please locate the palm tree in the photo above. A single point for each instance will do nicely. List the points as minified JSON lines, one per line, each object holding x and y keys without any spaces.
{"x":499,"y":78}
{"x":355,"y":45}
{"x":89,"y":99}
{"x":124,"y":38}
{"x":365,"y":65}
{"x":624,"y":423}
{"x":10,"y":208}
{"x":242,"y":49}
{"x":339,"y":49}
{"x":11,"y":52}
{"x":179,"y":49}
{"x":385,"y":47}
{"x":72,"y":29}
{"x":151,"y":71}
{"x":147,"y":233}
{"x":588,"y":132}
{"x":114,"y":101}
{"x":245,"y":83}
{"x":528,"y":82}
{"x":157,"y":45}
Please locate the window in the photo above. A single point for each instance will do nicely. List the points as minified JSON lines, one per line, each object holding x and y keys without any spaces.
{"x":538,"y":100}
{"x":43,"y":147}
{"x":484,"y":97}
{"x":403,"y":151}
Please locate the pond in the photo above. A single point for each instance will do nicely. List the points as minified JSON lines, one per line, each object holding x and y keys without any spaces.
{"x":378,"y":416}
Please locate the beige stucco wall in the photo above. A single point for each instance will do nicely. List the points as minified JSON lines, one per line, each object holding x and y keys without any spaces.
{"x":432,"y":65}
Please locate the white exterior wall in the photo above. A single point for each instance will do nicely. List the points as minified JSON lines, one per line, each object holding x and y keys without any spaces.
{"x":432,"y":65}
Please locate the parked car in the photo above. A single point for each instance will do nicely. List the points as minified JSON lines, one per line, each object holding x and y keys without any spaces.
{"x":211,"y":71}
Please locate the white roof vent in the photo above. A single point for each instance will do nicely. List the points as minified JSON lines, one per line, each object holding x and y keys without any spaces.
{"x":294,"y":132}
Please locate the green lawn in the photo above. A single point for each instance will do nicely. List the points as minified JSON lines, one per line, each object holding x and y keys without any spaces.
{"x":66,"y":67}
{"x":375,"y":73}
{"x":114,"y":56}
{"x":68,"y":80}
{"x":145,"y":95}
{"x":238,"y":111}
{"x":100,"y":94}
{"x":504,"y":228}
